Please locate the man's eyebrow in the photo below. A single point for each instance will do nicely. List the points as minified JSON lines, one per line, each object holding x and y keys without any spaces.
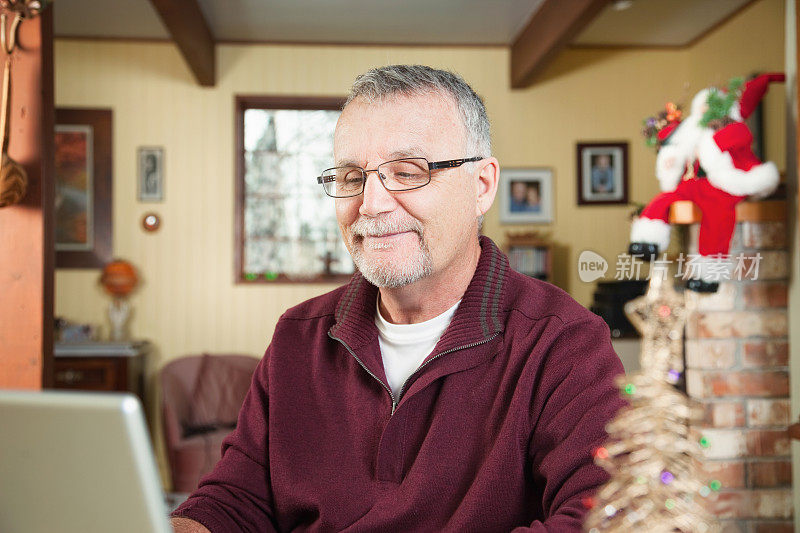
{"x":397,"y":154}
{"x":413,"y":151}
{"x":347,"y":163}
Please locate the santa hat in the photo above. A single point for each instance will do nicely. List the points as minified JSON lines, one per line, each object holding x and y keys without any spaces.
{"x":731,"y":165}
{"x":665,"y":132}
{"x":752,"y":94}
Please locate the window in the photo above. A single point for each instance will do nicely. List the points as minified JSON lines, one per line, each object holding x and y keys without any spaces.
{"x":286,"y":227}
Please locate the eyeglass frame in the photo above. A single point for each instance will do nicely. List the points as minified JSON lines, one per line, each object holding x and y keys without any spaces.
{"x":435,"y":165}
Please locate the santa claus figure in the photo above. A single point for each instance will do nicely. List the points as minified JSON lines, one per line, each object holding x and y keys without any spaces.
{"x":707,"y":159}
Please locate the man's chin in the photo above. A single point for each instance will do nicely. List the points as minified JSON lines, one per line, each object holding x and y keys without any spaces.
{"x":390,"y":276}
{"x":392,"y":269}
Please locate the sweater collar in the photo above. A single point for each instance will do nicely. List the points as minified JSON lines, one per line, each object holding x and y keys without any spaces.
{"x":476,"y":319}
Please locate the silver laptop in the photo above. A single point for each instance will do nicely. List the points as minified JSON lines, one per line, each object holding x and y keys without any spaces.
{"x":77,"y":462}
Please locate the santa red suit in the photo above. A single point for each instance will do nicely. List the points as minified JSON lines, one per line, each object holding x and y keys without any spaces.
{"x":713,"y":169}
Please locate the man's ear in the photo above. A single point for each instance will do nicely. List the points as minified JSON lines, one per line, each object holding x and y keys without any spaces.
{"x":487,"y":177}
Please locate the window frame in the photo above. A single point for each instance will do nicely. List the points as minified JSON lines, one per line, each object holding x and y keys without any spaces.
{"x":243,"y":103}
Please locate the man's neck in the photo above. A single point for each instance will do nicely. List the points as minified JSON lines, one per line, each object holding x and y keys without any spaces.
{"x":430,"y":296}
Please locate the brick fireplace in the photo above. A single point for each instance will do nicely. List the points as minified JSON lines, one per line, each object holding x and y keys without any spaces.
{"x":737,"y":366}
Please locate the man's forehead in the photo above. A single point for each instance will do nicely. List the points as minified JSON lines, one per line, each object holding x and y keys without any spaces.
{"x":408,"y":123}
{"x":415,"y":107}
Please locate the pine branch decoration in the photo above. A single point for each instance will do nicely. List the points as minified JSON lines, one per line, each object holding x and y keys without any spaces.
{"x":652,"y":454}
{"x":720,"y":102}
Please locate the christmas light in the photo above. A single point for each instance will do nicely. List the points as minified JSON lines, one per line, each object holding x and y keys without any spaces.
{"x":667,"y":477}
{"x":715,"y":485}
{"x":601,"y":453}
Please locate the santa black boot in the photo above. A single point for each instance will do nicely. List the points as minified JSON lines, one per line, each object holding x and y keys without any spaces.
{"x":649,"y":237}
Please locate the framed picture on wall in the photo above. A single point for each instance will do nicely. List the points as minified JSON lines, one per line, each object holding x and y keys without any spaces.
{"x":83,"y":188}
{"x":602,"y":173}
{"x":151,"y":174}
{"x":526,"y":196}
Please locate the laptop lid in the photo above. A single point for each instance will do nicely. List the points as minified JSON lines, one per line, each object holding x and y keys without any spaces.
{"x":77,"y":462}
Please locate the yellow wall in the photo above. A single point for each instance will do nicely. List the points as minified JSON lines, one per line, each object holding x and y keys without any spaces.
{"x":188,"y":303}
{"x":751,"y":42}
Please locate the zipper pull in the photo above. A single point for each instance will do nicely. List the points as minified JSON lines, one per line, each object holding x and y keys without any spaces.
{"x":394,"y":406}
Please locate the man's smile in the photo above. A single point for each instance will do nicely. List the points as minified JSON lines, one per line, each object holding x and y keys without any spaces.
{"x":386,"y":240}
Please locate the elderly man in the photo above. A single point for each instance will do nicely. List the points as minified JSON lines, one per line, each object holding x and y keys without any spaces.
{"x":438,"y":390}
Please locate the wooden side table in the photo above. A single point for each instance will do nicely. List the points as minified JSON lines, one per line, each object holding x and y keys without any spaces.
{"x":101,"y":366}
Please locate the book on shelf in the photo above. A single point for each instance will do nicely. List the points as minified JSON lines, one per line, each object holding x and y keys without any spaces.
{"x":530,"y":253}
{"x":529,"y":260}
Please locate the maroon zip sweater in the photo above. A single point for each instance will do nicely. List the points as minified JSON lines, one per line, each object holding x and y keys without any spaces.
{"x":494,"y":431}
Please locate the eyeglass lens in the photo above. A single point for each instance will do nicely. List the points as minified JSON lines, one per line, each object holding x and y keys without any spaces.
{"x":400,"y":175}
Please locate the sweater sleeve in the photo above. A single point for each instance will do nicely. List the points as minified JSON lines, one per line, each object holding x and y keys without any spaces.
{"x":575,"y":397}
{"x":236,"y":495}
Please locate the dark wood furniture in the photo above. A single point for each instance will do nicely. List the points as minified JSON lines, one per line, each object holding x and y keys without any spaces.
{"x":101,"y":366}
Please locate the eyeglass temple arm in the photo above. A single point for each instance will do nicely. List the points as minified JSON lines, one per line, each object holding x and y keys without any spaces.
{"x":452,"y":163}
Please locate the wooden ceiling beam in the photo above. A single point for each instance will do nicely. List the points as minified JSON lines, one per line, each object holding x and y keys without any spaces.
{"x":550,"y":29}
{"x":188,"y":27}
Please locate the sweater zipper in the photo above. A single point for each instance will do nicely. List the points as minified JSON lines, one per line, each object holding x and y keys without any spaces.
{"x":402,"y":388}
{"x":391,"y":395}
{"x":437,"y":356}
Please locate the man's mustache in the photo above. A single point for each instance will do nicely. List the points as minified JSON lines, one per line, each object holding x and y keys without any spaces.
{"x":376,"y":227}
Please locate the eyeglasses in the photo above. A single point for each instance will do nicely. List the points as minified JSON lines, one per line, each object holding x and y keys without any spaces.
{"x":397,"y":175}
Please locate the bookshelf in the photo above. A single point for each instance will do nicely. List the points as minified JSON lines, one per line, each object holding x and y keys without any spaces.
{"x":530,"y":253}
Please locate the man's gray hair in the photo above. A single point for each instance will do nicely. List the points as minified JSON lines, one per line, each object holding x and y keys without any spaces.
{"x":378,"y":83}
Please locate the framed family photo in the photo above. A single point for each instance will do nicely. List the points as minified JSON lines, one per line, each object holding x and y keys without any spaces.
{"x":151,"y":174}
{"x":82,"y":148}
{"x":526,"y":196}
{"x":602,"y":173}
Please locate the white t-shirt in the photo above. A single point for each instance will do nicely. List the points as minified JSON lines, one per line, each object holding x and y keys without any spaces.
{"x":405,"y":346}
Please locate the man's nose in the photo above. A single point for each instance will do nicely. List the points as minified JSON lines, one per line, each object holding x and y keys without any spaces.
{"x":375,"y":199}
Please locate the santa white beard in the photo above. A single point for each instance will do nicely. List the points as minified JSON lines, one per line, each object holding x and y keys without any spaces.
{"x":681,"y":149}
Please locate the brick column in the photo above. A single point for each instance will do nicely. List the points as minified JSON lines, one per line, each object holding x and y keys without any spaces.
{"x":737,"y":366}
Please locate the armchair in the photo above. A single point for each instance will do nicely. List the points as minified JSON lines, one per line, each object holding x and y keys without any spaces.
{"x":200,"y":400}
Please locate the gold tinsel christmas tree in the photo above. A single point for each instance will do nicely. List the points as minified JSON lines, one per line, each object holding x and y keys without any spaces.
{"x":652,"y":454}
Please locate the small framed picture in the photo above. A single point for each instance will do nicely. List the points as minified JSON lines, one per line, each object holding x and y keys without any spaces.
{"x":151,"y":174}
{"x":602,"y":173}
{"x":526,"y":196}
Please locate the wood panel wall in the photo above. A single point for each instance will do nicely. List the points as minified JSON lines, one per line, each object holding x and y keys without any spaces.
{"x":26,"y":229}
